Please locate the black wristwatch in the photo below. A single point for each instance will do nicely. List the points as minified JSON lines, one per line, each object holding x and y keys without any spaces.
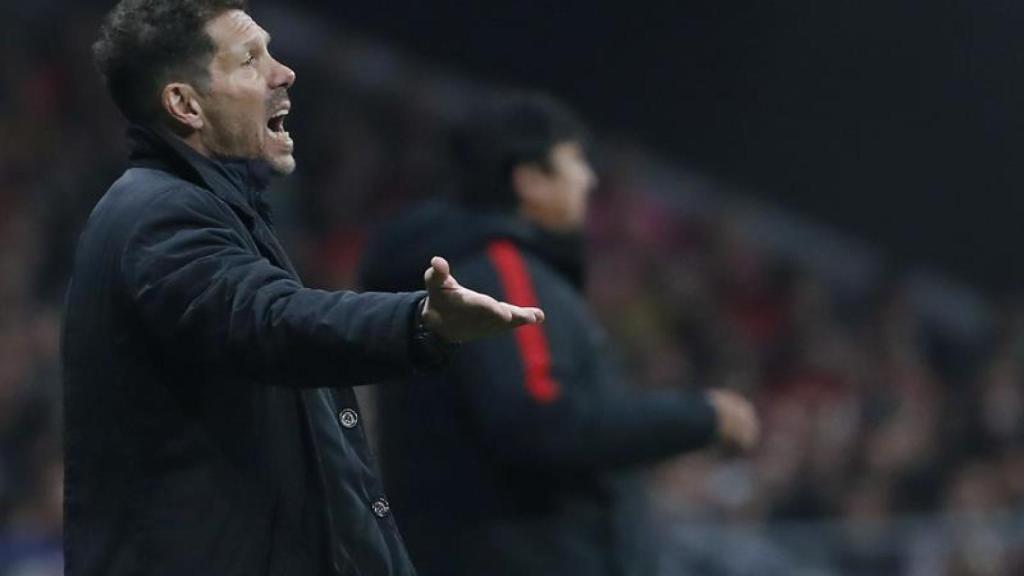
{"x":427,"y":349}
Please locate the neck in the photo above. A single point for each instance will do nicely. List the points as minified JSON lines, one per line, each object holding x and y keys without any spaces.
{"x":254,"y":174}
{"x":541,"y":219}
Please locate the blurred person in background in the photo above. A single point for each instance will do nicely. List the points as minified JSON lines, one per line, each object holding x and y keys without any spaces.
{"x":525,"y":456}
{"x":209,"y":423}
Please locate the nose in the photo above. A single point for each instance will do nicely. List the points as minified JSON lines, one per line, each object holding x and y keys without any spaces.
{"x":283,"y":76}
{"x":592,"y":179}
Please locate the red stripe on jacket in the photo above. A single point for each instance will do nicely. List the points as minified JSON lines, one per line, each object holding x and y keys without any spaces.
{"x":530,"y":339}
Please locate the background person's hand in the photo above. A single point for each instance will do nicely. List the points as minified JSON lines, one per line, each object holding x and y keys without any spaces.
{"x":738,"y":427}
{"x":458,"y":314}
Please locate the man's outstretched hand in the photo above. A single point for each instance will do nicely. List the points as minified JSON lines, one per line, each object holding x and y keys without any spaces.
{"x":458,"y":314}
{"x":738,"y":427}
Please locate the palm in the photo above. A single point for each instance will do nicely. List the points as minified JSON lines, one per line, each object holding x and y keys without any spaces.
{"x":457,"y":313}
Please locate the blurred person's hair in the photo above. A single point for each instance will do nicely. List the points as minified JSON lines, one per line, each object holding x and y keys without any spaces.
{"x":504,"y":132}
{"x":144,"y":44}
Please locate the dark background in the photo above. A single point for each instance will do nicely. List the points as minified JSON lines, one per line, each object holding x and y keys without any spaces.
{"x":898,"y":121}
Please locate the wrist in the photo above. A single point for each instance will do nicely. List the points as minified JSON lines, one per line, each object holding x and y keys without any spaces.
{"x":428,"y":349}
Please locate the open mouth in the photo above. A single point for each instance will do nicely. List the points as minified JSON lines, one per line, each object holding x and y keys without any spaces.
{"x":275,"y":125}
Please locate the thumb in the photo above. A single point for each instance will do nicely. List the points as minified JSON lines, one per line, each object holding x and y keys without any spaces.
{"x":437,"y":274}
{"x":440,"y":265}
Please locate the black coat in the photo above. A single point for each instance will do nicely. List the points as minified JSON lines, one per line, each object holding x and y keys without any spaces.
{"x":526,"y":457}
{"x":209,"y":423}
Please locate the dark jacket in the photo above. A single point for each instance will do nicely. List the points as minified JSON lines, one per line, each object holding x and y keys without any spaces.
{"x":209,"y":423}
{"x":525,"y":458}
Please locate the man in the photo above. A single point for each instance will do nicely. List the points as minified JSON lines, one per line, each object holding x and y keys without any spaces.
{"x":524,"y":457}
{"x":209,"y":423}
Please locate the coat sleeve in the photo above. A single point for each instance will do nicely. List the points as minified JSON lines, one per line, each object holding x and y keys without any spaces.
{"x":531,"y":400}
{"x":211,"y":299}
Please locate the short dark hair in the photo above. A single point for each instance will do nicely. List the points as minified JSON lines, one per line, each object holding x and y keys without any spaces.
{"x":143,"y":44}
{"x":507,"y":131}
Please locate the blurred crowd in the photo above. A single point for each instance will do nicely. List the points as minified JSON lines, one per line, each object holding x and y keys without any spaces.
{"x":888,"y":449}
{"x":912,"y":453}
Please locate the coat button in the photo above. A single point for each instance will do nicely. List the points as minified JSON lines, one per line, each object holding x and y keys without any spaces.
{"x":381,"y":507}
{"x":349,"y":418}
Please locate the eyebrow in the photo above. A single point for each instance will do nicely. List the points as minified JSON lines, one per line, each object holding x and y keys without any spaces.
{"x":253,"y":41}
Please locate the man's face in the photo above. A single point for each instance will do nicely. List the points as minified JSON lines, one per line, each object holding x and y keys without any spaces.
{"x":246,"y":101}
{"x":557,"y":198}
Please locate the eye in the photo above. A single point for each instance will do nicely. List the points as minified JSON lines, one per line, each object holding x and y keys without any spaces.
{"x":250,"y":60}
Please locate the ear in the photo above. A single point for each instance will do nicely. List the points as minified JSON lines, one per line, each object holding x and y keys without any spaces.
{"x":528,"y":183}
{"x":181,"y":103}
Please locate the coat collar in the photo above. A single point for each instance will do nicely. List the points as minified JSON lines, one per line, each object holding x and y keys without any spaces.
{"x":562,"y":251}
{"x":239,"y":182}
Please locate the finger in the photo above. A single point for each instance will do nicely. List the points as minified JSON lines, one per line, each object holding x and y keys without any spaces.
{"x":750,"y":433}
{"x":522,"y":316}
{"x":538,"y":315}
{"x":440,"y":265}
{"x":755,"y":434}
{"x":444,"y":274}
{"x":437,"y":274}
